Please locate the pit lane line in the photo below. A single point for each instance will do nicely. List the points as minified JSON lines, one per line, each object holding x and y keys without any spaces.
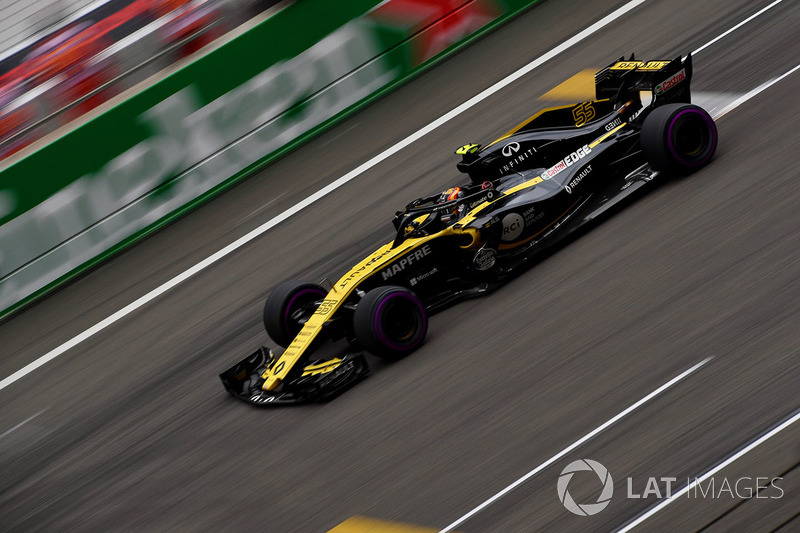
{"x":202,"y":265}
{"x":697,"y":480}
{"x":486,"y":93}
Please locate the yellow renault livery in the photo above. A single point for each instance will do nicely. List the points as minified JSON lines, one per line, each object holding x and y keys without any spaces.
{"x":556,"y":172}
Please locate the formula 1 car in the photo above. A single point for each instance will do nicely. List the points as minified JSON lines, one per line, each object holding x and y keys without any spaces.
{"x":554,"y":173}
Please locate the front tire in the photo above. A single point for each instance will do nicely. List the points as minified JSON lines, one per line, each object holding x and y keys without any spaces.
{"x":390,"y":322}
{"x":679,"y":138}
{"x":286,"y":305}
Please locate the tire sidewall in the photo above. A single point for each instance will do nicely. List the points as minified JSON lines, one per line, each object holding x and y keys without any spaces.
{"x":659,"y":137}
{"x":370,"y":321}
{"x":282,"y":302}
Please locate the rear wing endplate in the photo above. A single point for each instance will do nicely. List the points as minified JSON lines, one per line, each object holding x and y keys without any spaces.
{"x":669,"y":80}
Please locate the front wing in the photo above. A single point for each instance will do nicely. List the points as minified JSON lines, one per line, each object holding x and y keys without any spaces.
{"x":319,"y":381}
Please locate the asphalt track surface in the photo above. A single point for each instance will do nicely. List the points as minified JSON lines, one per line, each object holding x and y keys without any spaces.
{"x":131,"y":429}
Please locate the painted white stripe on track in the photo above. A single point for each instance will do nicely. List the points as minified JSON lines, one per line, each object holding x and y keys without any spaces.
{"x":733,"y":29}
{"x":205,"y":263}
{"x":750,"y":447}
{"x":589,"y":436}
{"x":758,"y":90}
{"x":6,"y":432}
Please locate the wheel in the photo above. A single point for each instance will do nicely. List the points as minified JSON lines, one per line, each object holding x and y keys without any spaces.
{"x":390,"y":322}
{"x":679,"y":138}
{"x":286,"y":305}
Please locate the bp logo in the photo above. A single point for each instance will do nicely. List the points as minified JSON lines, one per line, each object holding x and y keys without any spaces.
{"x":585,"y":509}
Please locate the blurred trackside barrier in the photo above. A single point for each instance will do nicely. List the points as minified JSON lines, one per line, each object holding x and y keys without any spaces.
{"x":146,"y":160}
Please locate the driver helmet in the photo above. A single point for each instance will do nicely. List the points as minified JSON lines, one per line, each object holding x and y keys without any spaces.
{"x":453,"y":193}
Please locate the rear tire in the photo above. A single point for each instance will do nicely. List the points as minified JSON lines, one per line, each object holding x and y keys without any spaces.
{"x":283,"y":305}
{"x":390,"y":322}
{"x":679,"y":138}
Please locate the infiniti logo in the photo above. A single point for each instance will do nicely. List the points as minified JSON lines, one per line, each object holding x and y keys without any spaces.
{"x":510,"y":149}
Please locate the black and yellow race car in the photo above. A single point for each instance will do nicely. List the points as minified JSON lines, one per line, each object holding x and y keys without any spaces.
{"x":554,"y":173}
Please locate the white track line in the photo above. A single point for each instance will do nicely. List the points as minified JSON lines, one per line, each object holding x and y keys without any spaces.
{"x":6,"y":432}
{"x":202,"y":265}
{"x":761,"y":440}
{"x":742,"y":23}
{"x":596,"y":431}
{"x":758,"y":90}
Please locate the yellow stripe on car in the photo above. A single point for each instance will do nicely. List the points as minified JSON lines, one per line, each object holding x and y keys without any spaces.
{"x":275,"y":375}
{"x":527,"y":121}
{"x":579,"y":87}
{"x":472,"y":215}
{"x":322,"y":368}
{"x":606,"y":135}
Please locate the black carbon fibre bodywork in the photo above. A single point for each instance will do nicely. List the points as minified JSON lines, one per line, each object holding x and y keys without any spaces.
{"x":522,"y":194}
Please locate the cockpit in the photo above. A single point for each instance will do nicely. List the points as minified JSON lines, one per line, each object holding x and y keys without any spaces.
{"x":432,"y":214}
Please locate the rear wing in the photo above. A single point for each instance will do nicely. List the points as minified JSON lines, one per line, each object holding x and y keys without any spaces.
{"x":669,"y":80}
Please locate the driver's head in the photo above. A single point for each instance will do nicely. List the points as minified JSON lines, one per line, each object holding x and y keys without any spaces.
{"x":453,"y":193}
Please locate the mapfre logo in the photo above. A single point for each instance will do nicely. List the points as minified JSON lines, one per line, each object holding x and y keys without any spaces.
{"x":585,"y":509}
{"x":411,"y":258}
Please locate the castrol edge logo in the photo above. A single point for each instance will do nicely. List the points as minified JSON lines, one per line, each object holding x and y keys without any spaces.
{"x":668,"y":84}
{"x":568,"y":161}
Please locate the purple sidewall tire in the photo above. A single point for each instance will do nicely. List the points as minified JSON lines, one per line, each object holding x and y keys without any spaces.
{"x":678,"y":138}
{"x":390,"y":322}
{"x":282,"y":303}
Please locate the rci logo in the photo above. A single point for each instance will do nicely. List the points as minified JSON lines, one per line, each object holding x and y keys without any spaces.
{"x":586,"y":509}
{"x":512,"y":226}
